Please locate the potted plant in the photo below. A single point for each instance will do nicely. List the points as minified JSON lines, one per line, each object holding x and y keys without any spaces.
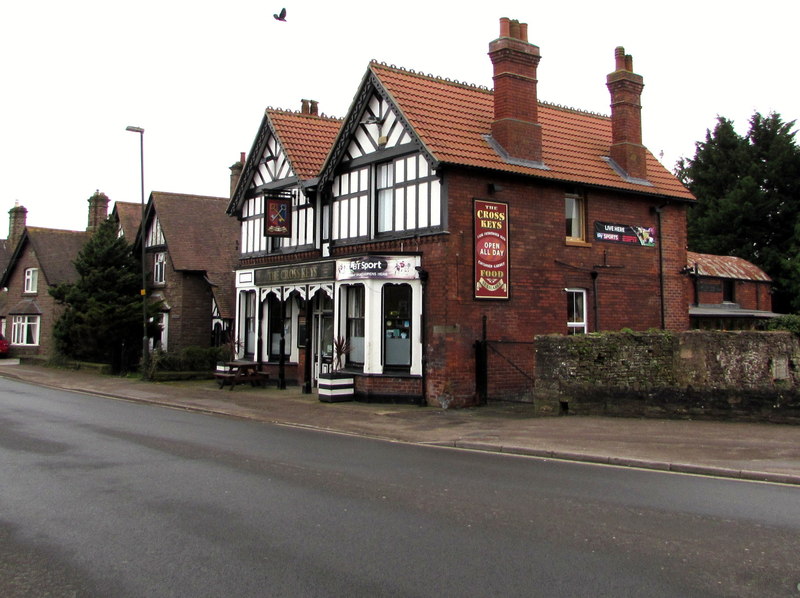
{"x":337,"y":386}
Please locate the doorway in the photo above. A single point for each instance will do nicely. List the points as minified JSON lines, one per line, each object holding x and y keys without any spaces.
{"x":321,"y":335}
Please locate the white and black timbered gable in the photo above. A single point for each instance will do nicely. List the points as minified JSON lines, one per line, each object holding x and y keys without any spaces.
{"x":375,"y":129}
{"x":267,"y":167}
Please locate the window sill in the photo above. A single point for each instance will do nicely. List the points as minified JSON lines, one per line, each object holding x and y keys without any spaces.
{"x":576,"y":243}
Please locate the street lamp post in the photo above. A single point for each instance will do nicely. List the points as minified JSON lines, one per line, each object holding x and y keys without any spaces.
{"x":143,"y":291}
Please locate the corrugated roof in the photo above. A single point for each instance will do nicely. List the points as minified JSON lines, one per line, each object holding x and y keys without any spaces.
{"x":725,"y":266}
{"x":453,"y":121}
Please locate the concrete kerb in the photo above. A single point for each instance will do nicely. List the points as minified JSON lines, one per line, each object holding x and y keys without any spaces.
{"x":463,"y":444}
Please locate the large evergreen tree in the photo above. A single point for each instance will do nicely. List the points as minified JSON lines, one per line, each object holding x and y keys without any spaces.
{"x":748,"y":199}
{"x":102,"y":320}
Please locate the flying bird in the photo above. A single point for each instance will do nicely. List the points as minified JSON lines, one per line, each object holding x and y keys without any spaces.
{"x":281,"y":16}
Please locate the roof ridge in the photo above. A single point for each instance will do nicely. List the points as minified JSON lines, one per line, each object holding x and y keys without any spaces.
{"x":299,"y":113}
{"x":433,"y":77}
{"x":483,"y":88}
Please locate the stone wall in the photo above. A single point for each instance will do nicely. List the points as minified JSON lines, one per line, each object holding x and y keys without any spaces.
{"x":741,"y":375}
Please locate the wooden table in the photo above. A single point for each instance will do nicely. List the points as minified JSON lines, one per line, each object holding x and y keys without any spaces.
{"x":241,"y":371}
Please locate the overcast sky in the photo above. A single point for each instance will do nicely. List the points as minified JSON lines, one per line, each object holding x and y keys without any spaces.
{"x":198,"y":75}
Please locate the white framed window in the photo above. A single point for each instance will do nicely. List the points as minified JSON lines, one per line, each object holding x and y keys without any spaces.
{"x":575,"y":217}
{"x":576,"y":311}
{"x":25,"y":330}
{"x":31,"y":280}
{"x":159,"y":267}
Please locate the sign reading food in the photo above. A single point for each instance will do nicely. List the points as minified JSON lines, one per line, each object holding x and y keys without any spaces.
{"x":491,"y":250}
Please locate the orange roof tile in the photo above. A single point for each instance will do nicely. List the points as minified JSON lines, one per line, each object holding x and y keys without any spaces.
{"x":306,"y":138}
{"x":725,"y":266}
{"x":453,"y":119}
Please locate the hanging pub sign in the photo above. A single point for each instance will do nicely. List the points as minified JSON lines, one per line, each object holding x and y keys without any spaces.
{"x":491,"y":250}
{"x":278,"y":213}
{"x":622,"y":233}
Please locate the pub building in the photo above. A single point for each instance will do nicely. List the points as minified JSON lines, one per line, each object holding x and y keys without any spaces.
{"x":437,"y":213}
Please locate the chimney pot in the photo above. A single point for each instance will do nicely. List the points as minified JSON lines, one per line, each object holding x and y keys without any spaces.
{"x":505,"y":27}
{"x":304,"y":106}
{"x":516,"y":125}
{"x":314,"y":107}
{"x":626,"y":88}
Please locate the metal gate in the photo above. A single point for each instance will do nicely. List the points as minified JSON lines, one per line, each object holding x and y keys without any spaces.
{"x":504,"y":370}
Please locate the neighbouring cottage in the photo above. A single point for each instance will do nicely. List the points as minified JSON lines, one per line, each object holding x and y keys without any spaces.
{"x":728,"y":293}
{"x":40,"y":258}
{"x":191,"y":250}
{"x":438,"y":213}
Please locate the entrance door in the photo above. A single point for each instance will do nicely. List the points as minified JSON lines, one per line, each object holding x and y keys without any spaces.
{"x":322,"y":335}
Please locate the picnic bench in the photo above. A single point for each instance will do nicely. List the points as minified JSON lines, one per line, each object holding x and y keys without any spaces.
{"x":240,"y":372}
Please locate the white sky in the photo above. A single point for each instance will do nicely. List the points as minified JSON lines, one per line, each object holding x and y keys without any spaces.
{"x":198,"y":75}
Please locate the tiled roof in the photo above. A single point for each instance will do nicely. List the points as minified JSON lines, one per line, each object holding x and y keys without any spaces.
{"x":56,"y":251}
{"x":725,"y":266}
{"x":306,"y":139}
{"x":129,"y":215}
{"x":453,"y":120}
{"x":200,"y":236}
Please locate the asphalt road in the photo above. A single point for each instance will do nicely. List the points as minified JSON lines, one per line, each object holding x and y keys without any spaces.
{"x":101,"y":497}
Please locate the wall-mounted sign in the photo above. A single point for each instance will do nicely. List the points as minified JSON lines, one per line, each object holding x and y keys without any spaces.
{"x":491,"y":250}
{"x":372,"y":266}
{"x":297,"y":273}
{"x":278,"y":214}
{"x":622,"y":233}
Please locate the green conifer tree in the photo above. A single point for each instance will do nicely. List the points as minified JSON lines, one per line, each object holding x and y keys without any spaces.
{"x":748,"y":199}
{"x":102,"y":320}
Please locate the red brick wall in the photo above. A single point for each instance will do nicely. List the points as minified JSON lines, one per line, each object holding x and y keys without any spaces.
{"x":542,"y":265}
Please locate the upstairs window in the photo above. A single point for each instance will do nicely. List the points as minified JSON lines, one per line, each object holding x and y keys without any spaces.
{"x":575,"y":218}
{"x":159,"y":267}
{"x":31,"y":280}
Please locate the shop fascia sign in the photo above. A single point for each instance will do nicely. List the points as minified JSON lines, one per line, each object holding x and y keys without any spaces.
{"x":375,"y":266}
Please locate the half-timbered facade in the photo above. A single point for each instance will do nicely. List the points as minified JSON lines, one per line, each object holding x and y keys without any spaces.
{"x":444,"y":213}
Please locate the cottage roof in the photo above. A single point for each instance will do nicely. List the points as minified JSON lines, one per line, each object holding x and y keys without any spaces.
{"x":200,"y":237}
{"x":129,"y":215}
{"x":56,"y":251}
{"x":725,"y":266}
{"x":453,"y":122}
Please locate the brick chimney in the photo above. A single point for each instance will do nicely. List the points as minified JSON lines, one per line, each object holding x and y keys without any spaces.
{"x":17,"y":221}
{"x":309,"y":107}
{"x":516,"y":128}
{"x":236,"y":173}
{"x":626,"y":116}
{"x":98,"y":210}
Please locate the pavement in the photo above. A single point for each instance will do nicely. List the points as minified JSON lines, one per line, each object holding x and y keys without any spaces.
{"x":742,"y":450}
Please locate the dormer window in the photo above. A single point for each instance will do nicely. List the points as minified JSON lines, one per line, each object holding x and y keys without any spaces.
{"x":31,"y":280}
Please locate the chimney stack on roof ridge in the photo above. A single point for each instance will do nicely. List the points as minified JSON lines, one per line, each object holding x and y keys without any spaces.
{"x":626,"y":88}
{"x":515,"y":127}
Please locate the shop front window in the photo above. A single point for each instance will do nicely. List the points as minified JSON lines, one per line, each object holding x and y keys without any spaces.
{"x":397,"y":325}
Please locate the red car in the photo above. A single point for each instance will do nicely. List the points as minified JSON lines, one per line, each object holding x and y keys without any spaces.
{"x":3,"y":347}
